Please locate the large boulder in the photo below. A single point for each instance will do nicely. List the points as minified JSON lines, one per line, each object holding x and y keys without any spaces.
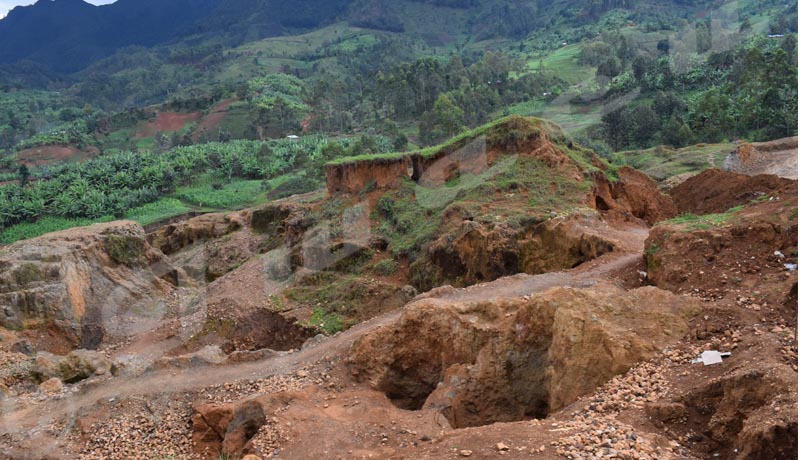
{"x":507,"y":360}
{"x":79,"y":282}
{"x":173,"y":237}
{"x":76,"y":366}
{"x":228,"y":428}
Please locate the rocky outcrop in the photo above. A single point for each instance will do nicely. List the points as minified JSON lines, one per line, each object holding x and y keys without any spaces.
{"x":209,"y":246}
{"x":82,"y":282}
{"x":173,"y":237}
{"x":76,"y":366}
{"x":635,"y":194}
{"x":486,"y":362}
{"x":283,"y":223}
{"x":478,"y":252}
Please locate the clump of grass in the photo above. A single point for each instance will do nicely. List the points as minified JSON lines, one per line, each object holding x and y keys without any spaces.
{"x":235,"y":194}
{"x":327,"y":322}
{"x":386,"y":267}
{"x":156,"y":211}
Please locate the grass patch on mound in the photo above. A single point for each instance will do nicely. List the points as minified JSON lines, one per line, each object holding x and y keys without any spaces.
{"x":409,"y":217}
{"x":692,"y":222}
{"x":339,"y":301}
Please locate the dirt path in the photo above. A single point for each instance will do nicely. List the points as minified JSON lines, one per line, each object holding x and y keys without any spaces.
{"x":37,"y":417}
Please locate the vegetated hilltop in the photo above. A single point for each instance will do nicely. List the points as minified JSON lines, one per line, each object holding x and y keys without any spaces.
{"x":410,"y":68}
{"x":297,"y":328}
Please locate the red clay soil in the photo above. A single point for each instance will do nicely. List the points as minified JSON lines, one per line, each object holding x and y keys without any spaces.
{"x":211,"y":121}
{"x":715,"y":191}
{"x":49,"y":154}
{"x":167,"y":122}
{"x":741,"y":260}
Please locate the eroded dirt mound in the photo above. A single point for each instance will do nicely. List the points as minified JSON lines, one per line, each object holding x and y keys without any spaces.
{"x":477,"y":252}
{"x":742,"y":256}
{"x":80,"y":281}
{"x":514,"y":136}
{"x":508,"y":360}
{"x":715,"y":191}
{"x":635,"y":194}
{"x":744,"y":408}
{"x":355,"y":176}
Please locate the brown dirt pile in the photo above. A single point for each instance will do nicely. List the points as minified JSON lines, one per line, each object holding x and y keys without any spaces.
{"x":635,"y":194}
{"x":778,"y":157}
{"x":741,"y":258}
{"x":715,"y":191}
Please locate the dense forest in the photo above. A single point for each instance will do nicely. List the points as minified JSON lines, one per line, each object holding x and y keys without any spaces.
{"x":210,"y":95}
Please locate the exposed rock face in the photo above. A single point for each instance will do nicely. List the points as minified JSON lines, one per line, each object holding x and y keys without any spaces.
{"x":76,"y":366}
{"x":477,"y":252}
{"x":715,"y":191}
{"x":173,"y":237}
{"x":634,"y":194}
{"x":78,"y":281}
{"x":507,"y":360}
{"x":516,"y":135}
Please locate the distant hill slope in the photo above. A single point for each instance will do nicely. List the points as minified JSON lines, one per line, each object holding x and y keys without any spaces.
{"x":67,"y":35}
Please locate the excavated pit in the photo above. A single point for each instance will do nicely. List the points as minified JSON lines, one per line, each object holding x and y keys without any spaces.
{"x":501,"y":361}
